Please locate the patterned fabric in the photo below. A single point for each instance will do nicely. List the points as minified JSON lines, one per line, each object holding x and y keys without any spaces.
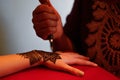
{"x":94,"y":28}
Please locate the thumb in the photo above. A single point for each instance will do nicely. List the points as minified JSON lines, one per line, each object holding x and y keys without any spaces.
{"x":47,"y":2}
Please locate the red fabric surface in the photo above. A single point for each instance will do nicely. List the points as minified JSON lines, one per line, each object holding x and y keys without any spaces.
{"x":42,"y":73}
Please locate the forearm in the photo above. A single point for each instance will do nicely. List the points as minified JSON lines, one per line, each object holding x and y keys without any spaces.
{"x":63,"y":44}
{"x":12,"y":63}
{"x":16,"y":62}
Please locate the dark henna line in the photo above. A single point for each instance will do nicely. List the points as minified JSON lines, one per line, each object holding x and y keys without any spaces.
{"x":49,"y":56}
{"x":32,"y":56}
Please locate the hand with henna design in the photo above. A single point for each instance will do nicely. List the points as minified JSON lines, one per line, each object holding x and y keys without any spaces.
{"x":59,"y":61}
{"x":68,"y":58}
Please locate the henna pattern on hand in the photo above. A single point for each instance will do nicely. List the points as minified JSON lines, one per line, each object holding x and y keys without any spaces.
{"x":37,"y":56}
{"x":49,"y":56}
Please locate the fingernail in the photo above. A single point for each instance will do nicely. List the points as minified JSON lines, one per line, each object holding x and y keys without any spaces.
{"x":81,"y":73}
{"x":95,"y":64}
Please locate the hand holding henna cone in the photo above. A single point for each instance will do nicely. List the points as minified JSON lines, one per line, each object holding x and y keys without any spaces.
{"x":50,"y":37}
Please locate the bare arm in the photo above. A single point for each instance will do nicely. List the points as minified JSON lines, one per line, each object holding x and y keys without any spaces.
{"x":16,"y":62}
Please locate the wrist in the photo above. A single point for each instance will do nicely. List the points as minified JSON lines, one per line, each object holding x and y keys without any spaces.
{"x":63,"y":43}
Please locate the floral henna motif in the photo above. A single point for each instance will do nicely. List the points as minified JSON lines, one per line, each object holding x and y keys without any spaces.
{"x":49,"y":56}
{"x":37,"y":55}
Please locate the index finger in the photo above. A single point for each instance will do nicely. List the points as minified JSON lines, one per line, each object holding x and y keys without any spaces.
{"x":73,"y":70}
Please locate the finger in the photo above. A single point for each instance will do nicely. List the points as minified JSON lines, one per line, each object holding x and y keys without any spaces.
{"x":60,"y":65}
{"x":47,"y":2}
{"x":44,"y":32}
{"x":44,"y":16}
{"x":45,"y":24}
{"x":65,"y":67}
{"x":85,"y":62}
{"x":43,"y":1}
{"x":73,"y":54}
{"x":73,"y":70}
{"x":81,"y":56}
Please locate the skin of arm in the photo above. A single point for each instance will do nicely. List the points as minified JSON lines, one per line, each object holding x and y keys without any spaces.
{"x":16,"y":62}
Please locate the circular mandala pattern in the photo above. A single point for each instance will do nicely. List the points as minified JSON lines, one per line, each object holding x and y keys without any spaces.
{"x":110,"y":43}
{"x":104,"y":35}
{"x":114,"y":40}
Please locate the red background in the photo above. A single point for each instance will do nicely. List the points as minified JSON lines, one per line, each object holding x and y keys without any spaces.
{"x":43,"y":73}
